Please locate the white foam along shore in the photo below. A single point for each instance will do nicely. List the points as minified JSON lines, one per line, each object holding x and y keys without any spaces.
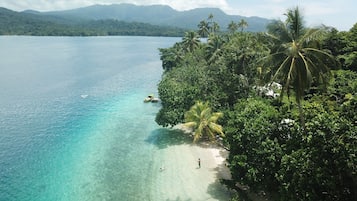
{"x":181,"y":178}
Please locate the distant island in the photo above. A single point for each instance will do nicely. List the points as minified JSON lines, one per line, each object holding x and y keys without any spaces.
{"x":116,"y":19}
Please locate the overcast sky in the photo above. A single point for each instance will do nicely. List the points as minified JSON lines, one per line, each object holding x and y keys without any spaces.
{"x":341,"y":14}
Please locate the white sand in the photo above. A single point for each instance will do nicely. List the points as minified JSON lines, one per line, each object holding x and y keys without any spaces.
{"x":183,"y":180}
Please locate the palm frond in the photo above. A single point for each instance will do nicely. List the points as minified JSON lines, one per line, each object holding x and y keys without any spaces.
{"x":198,"y":133}
{"x":307,"y":76}
{"x":280,"y":68}
{"x":217,"y":128}
{"x":190,"y":124}
{"x":294,"y":22}
{"x":215,"y":116}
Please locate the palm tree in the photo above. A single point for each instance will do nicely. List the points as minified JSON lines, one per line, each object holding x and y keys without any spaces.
{"x":190,"y":41}
{"x":210,"y":19}
{"x":215,"y":27}
{"x":203,"y":122}
{"x":232,"y":27}
{"x":212,"y":25}
{"x":203,"y":28}
{"x":214,"y":47}
{"x":242,"y":24}
{"x":296,"y":58}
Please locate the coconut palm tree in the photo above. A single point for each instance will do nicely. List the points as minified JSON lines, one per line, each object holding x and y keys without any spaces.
{"x":242,"y":24}
{"x":215,"y":27}
{"x":212,"y":25}
{"x":214,"y":47}
{"x":203,"y":28}
{"x":190,"y":41}
{"x":203,"y":122}
{"x":296,"y":58}
{"x":232,"y":27}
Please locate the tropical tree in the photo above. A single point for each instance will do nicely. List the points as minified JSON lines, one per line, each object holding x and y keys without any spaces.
{"x":171,"y":57}
{"x":242,"y":24}
{"x":214,"y":47}
{"x":203,"y":122}
{"x":215,"y":27}
{"x":203,"y":28}
{"x":210,"y":20}
{"x":190,"y":41}
{"x":296,"y":59}
{"x":232,"y":27}
{"x":253,"y":143}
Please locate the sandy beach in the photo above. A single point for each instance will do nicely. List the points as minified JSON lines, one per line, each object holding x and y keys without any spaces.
{"x":181,"y":178}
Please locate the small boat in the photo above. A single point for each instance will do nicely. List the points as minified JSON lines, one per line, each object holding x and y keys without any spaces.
{"x":154,"y":100}
{"x":146,"y":100}
{"x":151,"y":98}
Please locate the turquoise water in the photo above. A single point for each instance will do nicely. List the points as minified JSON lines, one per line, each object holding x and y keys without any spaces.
{"x":73,"y":125}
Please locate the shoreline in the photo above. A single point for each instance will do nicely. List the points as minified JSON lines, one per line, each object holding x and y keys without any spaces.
{"x":179,"y":176}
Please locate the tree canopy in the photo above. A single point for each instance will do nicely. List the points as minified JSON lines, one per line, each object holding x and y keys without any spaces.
{"x":270,"y":152}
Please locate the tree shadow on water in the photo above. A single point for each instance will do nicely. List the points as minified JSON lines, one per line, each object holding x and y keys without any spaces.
{"x":165,"y":137}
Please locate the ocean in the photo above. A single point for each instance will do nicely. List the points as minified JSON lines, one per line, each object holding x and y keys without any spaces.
{"x":73,"y":125}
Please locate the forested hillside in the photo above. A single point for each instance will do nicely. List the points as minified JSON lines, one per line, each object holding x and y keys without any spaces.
{"x":19,"y":23}
{"x":116,"y":19}
{"x":160,"y":15}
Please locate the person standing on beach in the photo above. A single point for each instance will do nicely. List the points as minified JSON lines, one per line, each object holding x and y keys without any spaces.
{"x":199,"y":163}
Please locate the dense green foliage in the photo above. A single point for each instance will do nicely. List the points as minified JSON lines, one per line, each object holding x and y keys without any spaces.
{"x":272,"y":153}
{"x":343,"y":45}
{"x":14,"y":23}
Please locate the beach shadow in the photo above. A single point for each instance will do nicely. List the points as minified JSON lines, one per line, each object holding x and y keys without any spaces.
{"x":218,"y":191}
{"x":164,"y":137}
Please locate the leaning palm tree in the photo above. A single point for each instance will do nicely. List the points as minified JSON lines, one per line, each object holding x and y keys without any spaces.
{"x":296,"y":58}
{"x":203,"y":122}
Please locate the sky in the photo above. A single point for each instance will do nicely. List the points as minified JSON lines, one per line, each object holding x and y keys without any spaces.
{"x":341,"y":14}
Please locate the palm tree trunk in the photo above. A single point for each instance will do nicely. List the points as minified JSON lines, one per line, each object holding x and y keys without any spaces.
{"x":301,"y":115}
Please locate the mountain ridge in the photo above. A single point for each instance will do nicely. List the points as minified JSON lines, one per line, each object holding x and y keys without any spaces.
{"x":39,"y":24}
{"x":162,"y":15}
{"x":117,"y":19}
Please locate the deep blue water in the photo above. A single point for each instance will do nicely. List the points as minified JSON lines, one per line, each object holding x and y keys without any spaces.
{"x":73,"y":125}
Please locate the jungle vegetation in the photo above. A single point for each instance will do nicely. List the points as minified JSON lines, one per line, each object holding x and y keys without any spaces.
{"x":286,"y":101}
